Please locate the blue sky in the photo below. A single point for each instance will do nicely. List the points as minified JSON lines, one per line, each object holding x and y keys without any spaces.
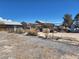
{"x":31,"y":10}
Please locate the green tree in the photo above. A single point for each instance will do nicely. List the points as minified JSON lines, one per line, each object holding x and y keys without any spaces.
{"x":67,"y":20}
{"x":76,"y":17}
{"x":24,"y":24}
{"x":76,"y":20}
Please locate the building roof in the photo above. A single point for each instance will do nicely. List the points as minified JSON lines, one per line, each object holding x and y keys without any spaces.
{"x":12,"y":23}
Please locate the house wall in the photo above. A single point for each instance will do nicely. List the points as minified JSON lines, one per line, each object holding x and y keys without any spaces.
{"x":3,"y":28}
{"x":9,"y":28}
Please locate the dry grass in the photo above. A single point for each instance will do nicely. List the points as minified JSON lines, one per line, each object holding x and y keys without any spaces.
{"x":14,"y":46}
{"x":32,"y":32}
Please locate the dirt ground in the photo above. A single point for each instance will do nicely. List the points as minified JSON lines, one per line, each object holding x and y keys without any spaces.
{"x":74,"y":36}
{"x":18,"y":46}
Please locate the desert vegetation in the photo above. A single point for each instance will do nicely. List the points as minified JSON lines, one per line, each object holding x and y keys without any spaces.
{"x":17,"y":46}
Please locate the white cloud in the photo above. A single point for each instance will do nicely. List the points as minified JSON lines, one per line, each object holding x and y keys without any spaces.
{"x":9,"y":21}
{"x":5,"y":20}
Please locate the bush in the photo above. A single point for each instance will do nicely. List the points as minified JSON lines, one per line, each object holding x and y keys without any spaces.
{"x":32,"y":32}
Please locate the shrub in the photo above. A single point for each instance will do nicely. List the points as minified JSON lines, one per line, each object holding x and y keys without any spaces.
{"x":32,"y":32}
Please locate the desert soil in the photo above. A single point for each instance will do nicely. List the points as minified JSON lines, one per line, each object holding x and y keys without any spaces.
{"x":18,"y":46}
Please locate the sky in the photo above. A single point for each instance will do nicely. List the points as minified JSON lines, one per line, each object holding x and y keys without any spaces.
{"x":32,"y":10}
